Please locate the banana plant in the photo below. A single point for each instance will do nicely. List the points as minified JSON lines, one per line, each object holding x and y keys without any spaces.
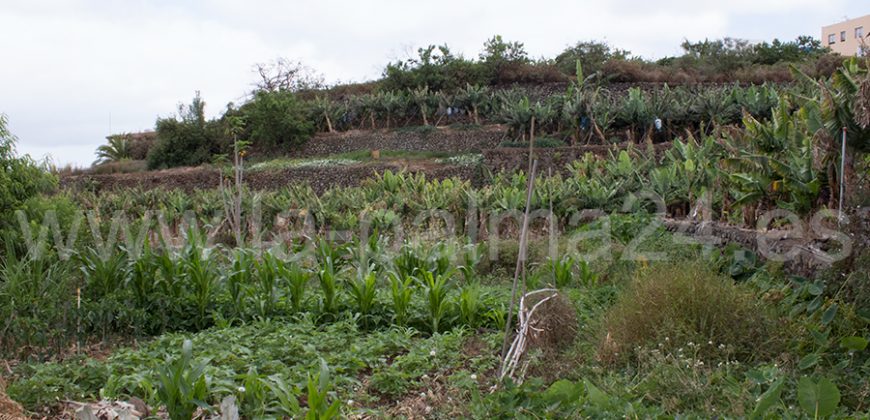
{"x":473,"y":98}
{"x":635,"y":112}
{"x":391,"y":103}
{"x":327,"y":113}
{"x":368,"y":107}
{"x":423,"y":98}
{"x":517,"y":116}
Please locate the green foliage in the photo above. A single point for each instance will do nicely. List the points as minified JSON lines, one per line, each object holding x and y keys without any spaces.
{"x":186,"y":140}
{"x":276,"y":120}
{"x":328,"y":278}
{"x":669,"y":305}
{"x":590,"y":54}
{"x":363,"y":291}
{"x":436,"y":67}
{"x":435,"y":287}
{"x":116,"y":150}
{"x":21,"y":178}
{"x":319,"y":387}
{"x":470,"y":305}
{"x":401,"y":292}
{"x":818,"y":399}
{"x":182,"y":386}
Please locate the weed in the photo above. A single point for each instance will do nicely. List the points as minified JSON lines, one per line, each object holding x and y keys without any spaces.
{"x":670,"y":305}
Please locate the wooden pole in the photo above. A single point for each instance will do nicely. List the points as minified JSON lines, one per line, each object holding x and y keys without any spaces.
{"x":521,"y":259}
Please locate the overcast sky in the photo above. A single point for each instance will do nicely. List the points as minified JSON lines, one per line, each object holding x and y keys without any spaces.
{"x":72,"y":72}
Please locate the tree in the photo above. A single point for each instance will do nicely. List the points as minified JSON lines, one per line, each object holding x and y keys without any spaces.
{"x":802,"y":48}
{"x":276,"y":119}
{"x":434,"y":66}
{"x":117,"y":150}
{"x":590,"y":54}
{"x":498,"y":54}
{"x":282,"y":74}
{"x":21,"y":177}
{"x":186,"y":139}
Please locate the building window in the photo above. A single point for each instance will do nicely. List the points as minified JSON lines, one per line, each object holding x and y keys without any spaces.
{"x":859,"y":32}
{"x":831,"y":38}
{"x":842,"y":36}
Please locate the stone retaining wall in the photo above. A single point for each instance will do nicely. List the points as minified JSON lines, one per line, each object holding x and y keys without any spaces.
{"x":320,"y":179}
{"x":436,"y":139}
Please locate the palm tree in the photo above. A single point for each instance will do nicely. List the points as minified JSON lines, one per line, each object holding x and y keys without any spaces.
{"x":117,"y":150}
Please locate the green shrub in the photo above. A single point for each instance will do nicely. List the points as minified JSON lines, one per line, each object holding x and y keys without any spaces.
{"x":679,"y":305}
{"x":21,"y":177}
{"x":276,"y":120}
{"x":188,"y":140}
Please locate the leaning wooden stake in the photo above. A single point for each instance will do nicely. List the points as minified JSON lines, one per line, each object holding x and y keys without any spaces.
{"x":521,"y":259}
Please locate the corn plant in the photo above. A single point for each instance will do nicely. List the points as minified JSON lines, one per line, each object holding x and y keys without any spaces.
{"x":401,"y":291}
{"x":436,"y":288}
{"x":201,"y":277}
{"x":239,"y":278}
{"x":363,"y":291}
{"x":562,"y":271}
{"x":585,"y":274}
{"x":143,"y":275}
{"x":319,"y":407}
{"x":269,"y":271}
{"x":328,"y":278}
{"x":297,"y":280}
{"x":104,"y":275}
{"x":182,"y":387}
{"x":471,"y":259}
{"x":470,"y":305}
{"x":409,"y":261}
{"x":497,"y":316}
